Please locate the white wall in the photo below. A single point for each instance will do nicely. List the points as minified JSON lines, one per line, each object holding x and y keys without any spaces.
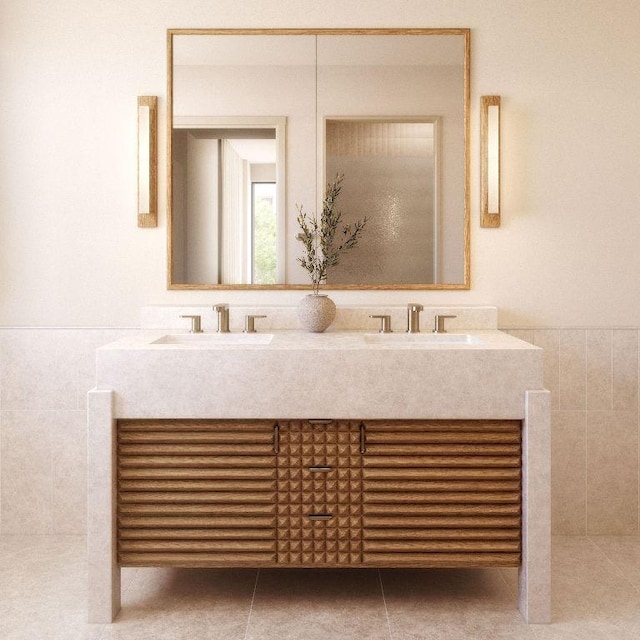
{"x":566,"y":255}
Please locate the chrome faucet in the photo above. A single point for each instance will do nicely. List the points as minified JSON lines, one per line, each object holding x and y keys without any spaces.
{"x":413,"y":317}
{"x":223,"y":317}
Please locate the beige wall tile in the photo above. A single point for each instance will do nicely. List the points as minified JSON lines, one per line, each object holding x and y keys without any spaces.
{"x":572,"y":367}
{"x":612,"y":473}
{"x":40,"y":369}
{"x":625,"y":369}
{"x":568,"y":472}
{"x":26,"y":472}
{"x":599,"y":369}
{"x":43,"y":472}
{"x":69,"y":472}
{"x":522,"y":334}
{"x":548,"y":340}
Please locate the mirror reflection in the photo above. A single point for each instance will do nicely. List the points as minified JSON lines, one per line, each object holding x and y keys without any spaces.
{"x":225,"y":204}
{"x":392,"y":180}
{"x":261,"y":121}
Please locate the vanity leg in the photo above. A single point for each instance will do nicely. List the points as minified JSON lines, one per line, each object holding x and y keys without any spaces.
{"x":534,"y":592}
{"x":103,"y":570}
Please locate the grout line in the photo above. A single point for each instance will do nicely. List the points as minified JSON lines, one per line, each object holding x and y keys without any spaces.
{"x":253,"y":597}
{"x":612,"y":369}
{"x":585,"y":425}
{"x":617,"y":569}
{"x":384,"y":602}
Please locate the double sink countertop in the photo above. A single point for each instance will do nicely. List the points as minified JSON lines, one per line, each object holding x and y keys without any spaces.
{"x":292,"y":374}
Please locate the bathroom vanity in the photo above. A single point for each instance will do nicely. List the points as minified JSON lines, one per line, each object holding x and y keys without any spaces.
{"x":342,"y":449}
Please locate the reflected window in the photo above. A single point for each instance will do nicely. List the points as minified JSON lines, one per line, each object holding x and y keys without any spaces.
{"x":263,"y":227}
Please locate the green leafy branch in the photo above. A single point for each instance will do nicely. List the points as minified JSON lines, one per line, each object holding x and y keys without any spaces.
{"x":325,"y":240}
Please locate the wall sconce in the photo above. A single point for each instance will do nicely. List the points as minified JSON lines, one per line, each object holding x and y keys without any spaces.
{"x":147,"y":161}
{"x":490,"y":161}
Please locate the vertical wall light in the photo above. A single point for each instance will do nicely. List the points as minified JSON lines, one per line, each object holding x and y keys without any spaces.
{"x":490,"y":161}
{"x":147,"y":161}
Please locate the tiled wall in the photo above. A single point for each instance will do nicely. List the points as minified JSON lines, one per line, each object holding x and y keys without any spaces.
{"x":593,"y":376}
{"x":44,"y":378}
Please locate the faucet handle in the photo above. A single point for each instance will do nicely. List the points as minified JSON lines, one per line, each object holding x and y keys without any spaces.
{"x":196,"y":326}
{"x":249,"y":323}
{"x":385,"y":323}
{"x":438,"y":325}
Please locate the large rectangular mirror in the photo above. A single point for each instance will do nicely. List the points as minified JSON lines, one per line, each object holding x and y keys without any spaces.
{"x":259,"y":122}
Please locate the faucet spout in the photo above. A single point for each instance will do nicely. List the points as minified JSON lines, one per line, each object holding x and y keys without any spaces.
{"x":413,"y":317}
{"x":223,"y":317}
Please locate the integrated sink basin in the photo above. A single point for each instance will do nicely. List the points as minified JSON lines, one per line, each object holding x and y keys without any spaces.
{"x":213,"y":339}
{"x":417,"y":339}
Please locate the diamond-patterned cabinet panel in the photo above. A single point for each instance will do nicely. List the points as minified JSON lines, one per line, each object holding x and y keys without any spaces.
{"x":319,"y":479}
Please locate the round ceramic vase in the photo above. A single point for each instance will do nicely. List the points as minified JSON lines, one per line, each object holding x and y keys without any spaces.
{"x":316,"y":312}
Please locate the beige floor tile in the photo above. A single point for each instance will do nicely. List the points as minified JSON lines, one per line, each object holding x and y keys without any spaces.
{"x":588,"y":588}
{"x":624,"y":553}
{"x":42,"y":587}
{"x":176,"y":604}
{"x":442,"y":604}
{"x":322,"y":604}
{"x":587,"y":630}
{"x":43,"y":597}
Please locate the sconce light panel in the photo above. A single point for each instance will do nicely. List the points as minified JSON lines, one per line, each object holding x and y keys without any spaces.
{"x":147,"y":161}
{"x":490,"y":161}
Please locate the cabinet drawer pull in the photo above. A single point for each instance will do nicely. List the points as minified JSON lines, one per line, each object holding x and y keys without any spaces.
{"x":320,"y":516}
{"x":320,"y":421}
{"x":319,"y":469}
{"x":276,"y":438}
{"x":363,"y":438}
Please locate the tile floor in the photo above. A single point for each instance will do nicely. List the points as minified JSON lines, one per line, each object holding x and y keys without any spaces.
{"x":43,"y":592}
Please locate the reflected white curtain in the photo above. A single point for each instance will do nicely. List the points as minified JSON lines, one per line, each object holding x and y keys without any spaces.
{"x":234,"y":221}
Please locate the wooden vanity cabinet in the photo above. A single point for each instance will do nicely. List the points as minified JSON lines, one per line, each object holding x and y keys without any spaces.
{"x":207,"y":493}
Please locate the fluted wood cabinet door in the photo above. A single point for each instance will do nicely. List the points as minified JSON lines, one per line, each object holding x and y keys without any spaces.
{"x":196,"y":493}
{"x":442,"y":493}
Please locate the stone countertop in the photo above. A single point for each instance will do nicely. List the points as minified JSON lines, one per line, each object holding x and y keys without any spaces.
{"x":329,"y":340}
{"x":329,"y":375}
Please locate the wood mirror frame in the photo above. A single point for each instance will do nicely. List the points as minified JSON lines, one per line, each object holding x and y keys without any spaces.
{"x":463,"y":33}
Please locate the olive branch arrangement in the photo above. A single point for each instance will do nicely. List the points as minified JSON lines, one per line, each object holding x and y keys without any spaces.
{"x":322,"y":248}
